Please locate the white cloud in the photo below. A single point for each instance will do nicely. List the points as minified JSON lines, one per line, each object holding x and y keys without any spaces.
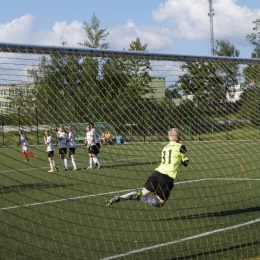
{"x":72,"y":33}
{"x":19,"y":28}
{"x":189,"y":19}
{"x":177,"y":19}
{"x":157,"y":38}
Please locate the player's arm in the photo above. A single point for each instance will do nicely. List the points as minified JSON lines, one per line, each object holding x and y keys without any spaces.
{"x":185,"y":159}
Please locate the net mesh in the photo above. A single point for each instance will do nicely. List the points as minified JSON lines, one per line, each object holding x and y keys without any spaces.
{"x":213,"y":211}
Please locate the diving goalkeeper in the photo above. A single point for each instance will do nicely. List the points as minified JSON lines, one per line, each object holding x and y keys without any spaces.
{"x":160,"y":182}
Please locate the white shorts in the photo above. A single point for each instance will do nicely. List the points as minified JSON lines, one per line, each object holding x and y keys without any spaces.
{"x":25,"y":148}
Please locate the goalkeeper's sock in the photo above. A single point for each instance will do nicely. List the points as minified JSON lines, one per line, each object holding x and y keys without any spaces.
{"x":150,"y":201}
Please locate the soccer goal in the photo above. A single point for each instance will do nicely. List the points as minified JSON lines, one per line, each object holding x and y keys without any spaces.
{"x":133,"y":99}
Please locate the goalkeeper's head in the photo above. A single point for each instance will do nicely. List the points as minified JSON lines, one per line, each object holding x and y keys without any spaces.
{"x":174,"y":134}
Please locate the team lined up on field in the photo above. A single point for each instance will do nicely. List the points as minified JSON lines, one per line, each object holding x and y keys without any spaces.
{"x":66,"y":141}
{"x":160,"y":182}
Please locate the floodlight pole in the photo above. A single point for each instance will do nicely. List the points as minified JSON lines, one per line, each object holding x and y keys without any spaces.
{"x":211,"y":14}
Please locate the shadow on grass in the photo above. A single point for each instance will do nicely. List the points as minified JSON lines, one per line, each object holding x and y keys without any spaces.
{"x":206,"y":253}
{"x":30,"y":186}
{"x":214,"y":214}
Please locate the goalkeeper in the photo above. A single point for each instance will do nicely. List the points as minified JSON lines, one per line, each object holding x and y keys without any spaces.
{"x":160,"y":182}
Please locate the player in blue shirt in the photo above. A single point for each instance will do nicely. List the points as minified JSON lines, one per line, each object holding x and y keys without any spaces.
{"x":25,"y":146}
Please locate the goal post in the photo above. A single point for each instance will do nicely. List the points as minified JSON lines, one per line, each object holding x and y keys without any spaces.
{"x":137,"y":97}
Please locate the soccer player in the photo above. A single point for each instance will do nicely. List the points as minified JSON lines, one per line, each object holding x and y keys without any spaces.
{"x":97,"y":141}
{"x":160,"y":182}
{"x":91,"y":145}
{"x":72,"y":147}
{"x":49,"y":142}
{"x":62,"y":137}
{"x":102,"y":138}
{"x":25,"y":146}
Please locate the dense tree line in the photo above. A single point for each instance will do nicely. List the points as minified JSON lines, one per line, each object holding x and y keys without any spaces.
{"x":75,"y":88}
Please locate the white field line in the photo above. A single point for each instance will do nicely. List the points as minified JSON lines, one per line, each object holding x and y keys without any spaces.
{"x":116,"y":192}
{"x":159,"y":245}
{"x":60,"y":200}
{"x":183,"y":239}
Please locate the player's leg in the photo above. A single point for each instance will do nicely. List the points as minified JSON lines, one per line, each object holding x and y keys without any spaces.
{"x":90,"y":167}
{"x":25,"y":155}
{"x":50,"y":162}
{"x":161,"y":185}
{"x":31,"y":153}
{"x":133,"y":195}
{"x":95,"y":157}
{"x":63,"y":152}
{"x":72,"y":152}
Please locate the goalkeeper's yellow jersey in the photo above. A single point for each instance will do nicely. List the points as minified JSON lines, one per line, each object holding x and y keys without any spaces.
{"x":173,"y":155}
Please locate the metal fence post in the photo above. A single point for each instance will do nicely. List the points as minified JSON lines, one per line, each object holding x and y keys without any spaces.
{"x":37,"y":128}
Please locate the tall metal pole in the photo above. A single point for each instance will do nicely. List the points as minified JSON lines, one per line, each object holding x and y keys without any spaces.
{"x":211,"y":14}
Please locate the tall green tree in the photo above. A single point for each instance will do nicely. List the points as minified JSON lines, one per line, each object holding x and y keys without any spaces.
{"x":63,"y":85}
{"x":254,"y":38}
{"x":209,"y":81}
{"x":225,"y":48}
{"x":250,"y":101}
{"x":125,"y":80}
{"x":251,"y":72}
{"x":228,"y":70}
{"x":127,"y":77}
{"x":95,"y":34}
{"x":137,"y":45}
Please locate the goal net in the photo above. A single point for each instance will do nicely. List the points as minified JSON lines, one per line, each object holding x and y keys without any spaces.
{"x":133,"y":99}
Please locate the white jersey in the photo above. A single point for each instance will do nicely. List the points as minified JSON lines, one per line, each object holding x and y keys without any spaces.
{"x":72,"y":141}
{"x":96,"y":137}
{"x":62,"y":140}
{"x":89,"y":136}
{"x":50,"y":144}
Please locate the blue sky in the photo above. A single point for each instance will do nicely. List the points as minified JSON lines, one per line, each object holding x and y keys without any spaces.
{"x":170,"y":26}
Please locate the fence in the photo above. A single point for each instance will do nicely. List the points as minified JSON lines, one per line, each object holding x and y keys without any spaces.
{"x":213,"y":210}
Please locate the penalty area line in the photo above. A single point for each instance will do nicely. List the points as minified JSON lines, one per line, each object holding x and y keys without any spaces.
{"x":183,"y":239}
{"x":61,"y":200}
{"x":116,"y":192}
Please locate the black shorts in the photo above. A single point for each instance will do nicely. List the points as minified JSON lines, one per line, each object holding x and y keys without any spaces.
{"x":62,"y":150}
{"x":93,"y":149}
{"x":98,"y":145}
{"x":72,"y":151}
{"x":50,"y":154}
{"x":160,"y":184}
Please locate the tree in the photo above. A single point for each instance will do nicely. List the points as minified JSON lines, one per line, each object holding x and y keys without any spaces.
{"x":251,"y":72}
{"x":225,"y":48}
{"x":63,"y":85}
{"x":123,"y":77}
{"x":250,"y":102}
{"x":228,"y":70}
{"x":254,"y":38}
{"x":209,"y":81}
{"x":124,"y":81}
{"x":95,"y":34}
{"x":137,"y":45}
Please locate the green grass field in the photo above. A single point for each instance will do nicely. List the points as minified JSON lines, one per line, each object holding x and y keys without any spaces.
{"x":212,"y":213}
